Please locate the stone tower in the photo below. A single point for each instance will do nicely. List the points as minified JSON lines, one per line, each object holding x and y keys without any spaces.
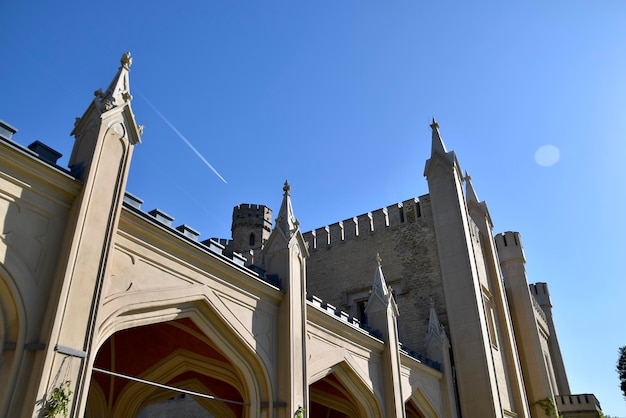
{"x":532,"y":327}
{"x":542,"y":296}
{"x":250,"y":229}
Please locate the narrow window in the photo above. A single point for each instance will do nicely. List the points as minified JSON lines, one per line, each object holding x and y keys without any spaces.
{"x":491,"y":323}
{"x":360,"y":311}
{"x":251,"y":240}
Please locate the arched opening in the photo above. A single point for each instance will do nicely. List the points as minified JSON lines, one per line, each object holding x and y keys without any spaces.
{"x":412,"y":411}
{"x":11,"y":338}
{"x":176,"y":353}
{"x":418,"y":406}
{"x":342,"y":394}
{"x":329,"y":398}
{"x":252,"y":239}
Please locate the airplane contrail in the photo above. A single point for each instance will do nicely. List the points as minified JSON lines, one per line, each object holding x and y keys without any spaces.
{"x":181,"y":136}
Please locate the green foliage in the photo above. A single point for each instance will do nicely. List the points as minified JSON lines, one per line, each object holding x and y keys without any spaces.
{"x":549,"y":407}
{"x":56,"y":405}
{"x":299,"y":413}
{"x":621,"y":369}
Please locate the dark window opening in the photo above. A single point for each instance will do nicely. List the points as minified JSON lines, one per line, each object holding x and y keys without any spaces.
{"x":360,"y":311}
{"x":252,"y":239}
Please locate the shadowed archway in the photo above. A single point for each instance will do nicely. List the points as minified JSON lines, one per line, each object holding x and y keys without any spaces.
{"x":342,"y":394}
{"x":174,"y":353}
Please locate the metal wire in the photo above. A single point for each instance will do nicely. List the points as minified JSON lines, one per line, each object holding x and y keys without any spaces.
{"x":172,"y":388}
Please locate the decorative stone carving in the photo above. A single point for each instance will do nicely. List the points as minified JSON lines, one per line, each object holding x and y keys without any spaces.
{"x":108,"y":104}
{"x":126,"y":60}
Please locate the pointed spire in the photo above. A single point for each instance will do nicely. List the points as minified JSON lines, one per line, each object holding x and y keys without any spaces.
{"x":116,"y":95}
{"x":118,"y":91}
{"x":379,"y":287}
{"x":469,"y":188}
{"x":380,"y":294}
{"x":286,"y":220}
{"x":438,"y":148}
{"x":434,"y":327}
{"x":437,"y":142}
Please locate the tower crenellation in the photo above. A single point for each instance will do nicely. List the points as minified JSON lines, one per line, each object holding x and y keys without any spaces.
{"x":509,"y":246}
{"x":542,"y":294}
{"x":380,"y":219}
{"x":337,"y":233}
{"x":408,"y":211}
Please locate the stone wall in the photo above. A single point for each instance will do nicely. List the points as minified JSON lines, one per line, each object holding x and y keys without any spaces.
{"x":341,"y":266}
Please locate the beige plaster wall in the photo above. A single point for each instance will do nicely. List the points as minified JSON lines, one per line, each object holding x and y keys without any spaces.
{"x":35,"y":201}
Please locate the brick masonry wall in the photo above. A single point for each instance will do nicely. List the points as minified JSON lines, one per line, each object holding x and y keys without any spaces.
{"x":342,"y":272}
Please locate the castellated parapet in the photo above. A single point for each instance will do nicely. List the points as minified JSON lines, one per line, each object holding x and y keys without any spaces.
{"x":368,"y":223}
{"x":509,"y":246}
{"x":542,"y":294}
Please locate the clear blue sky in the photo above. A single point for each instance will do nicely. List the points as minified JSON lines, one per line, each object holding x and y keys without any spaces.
{"x":337,"y":96}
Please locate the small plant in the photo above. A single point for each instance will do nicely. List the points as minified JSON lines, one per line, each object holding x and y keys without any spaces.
{"x":549,"y":407}
{"x":299,"y":413}
{"x":56,"y":405}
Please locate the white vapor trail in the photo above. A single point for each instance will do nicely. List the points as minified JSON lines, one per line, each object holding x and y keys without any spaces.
{"x":185,"y":140}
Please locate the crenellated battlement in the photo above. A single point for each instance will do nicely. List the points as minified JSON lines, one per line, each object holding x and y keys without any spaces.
{"x":246,"y":210}
{"x":509,"y":246}
{"x":541,"y":293}
{"x":249,"y":214}
{"x":408,"y":211}
{"x":575,"y":404}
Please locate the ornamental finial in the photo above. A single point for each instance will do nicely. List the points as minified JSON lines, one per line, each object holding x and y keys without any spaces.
{"x":434,"y":125}
{"x":126,"y":60}
{"x":286,"y":187}
{"x":378,"y":259}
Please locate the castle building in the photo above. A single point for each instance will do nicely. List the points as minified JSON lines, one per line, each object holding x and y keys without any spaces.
{"x":414,"y":310}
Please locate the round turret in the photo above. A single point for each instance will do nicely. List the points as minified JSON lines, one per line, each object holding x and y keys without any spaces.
{"x":509,"y":246}
{"x":251,"y":227}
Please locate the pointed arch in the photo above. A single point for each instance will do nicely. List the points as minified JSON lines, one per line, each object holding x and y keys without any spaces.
{"x":248,"y":369}
{"x":420,"y":401}
{"x":12,"y":335}
{"x":136,"y":396}
{"x":346,"y":383}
